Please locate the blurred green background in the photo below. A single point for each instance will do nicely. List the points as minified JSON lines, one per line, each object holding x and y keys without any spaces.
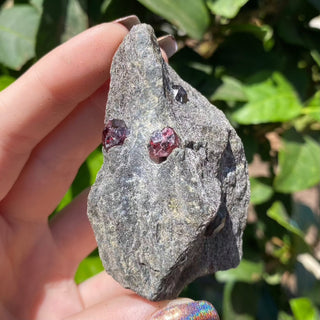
{"x":259,"y":62}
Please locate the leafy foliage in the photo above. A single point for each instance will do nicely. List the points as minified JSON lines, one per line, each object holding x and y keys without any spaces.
{"x":18,"y":28}
{"x":299,"y":164}
{"x":259,"y":62}
{"x":270,"y":100}
{"x":303,"y":309}
{"x":190,"y":15}
{"x":226,"y":8}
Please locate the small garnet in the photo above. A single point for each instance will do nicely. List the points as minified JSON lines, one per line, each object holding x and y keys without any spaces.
{"x":162,"y":143}
{"x":180,"y":94}
{"x":114,"y":133}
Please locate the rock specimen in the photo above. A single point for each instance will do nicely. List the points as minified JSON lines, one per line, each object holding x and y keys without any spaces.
{"x":170,"y":201}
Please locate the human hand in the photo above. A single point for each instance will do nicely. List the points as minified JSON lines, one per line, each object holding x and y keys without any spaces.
{"x":50,"y":120}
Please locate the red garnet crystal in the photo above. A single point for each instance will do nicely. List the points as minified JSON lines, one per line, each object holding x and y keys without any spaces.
{"x":162,"y":144}
{"x":114,"y":133}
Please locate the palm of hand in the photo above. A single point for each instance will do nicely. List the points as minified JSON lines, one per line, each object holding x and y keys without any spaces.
{"x":38,"y":281}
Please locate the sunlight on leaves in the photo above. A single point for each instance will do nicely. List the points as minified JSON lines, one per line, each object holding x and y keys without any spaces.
{"x":299,"y":164}
{"x":88,"y":267}
{"x":303,"y":309}
{"x":189,"y":15}
{"x":278,"y":213}
{"x":270,"y":100}
{"x":5,"y":81}
{"x":261,"y":191}
{"x":231,"y":89}
{"x":247,"y":271}
{"x":226,"y":8}
{"x":18,"y":28}
{"x":312,"y":108}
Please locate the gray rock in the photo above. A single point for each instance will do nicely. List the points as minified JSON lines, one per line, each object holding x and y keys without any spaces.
{"x":161,"y":225}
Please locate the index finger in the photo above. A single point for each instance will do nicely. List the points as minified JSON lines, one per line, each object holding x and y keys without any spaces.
{"x":39,"y":100}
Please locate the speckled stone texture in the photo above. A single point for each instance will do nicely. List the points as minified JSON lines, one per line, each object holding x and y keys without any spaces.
{"x":161,"y":225}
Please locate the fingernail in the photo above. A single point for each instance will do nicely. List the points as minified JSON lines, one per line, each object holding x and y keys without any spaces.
{"x":168,"y":44}
{"x":128,"y":21}
{"x":195,"y":310}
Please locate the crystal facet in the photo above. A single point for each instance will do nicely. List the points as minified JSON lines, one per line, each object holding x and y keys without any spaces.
{"x":114,"y":133}
{"x":162,"y":143}
{"x":180,"y":94}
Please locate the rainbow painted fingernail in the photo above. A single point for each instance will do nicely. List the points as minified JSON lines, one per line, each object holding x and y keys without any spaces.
{"x":196,"y":310}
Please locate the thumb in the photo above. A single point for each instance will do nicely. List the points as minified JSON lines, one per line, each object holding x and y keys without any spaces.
{"x":133,"y":307}
{"x":122,"y":307}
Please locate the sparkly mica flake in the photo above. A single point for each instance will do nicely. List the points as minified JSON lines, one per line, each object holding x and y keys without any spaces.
{"x":198,"y":310}
{"x":180,"y":94}
{"x":114,"y":133}
{"x":162,"y":143}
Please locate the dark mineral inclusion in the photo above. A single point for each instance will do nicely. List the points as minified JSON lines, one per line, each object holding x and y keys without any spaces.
{"x":170,"y":201}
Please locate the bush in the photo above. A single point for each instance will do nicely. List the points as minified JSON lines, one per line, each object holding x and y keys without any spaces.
{"x":258,"y":61}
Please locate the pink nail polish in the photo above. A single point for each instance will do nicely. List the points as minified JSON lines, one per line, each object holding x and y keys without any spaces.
{"x":196,"y":310}
{"x":168,"y":44}
{"x":128,"y":21}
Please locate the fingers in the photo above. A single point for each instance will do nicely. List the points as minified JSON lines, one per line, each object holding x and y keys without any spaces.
{"x":133,"y":307}
{"x":123,"y":307}
{"x":168,"y":45}
{"x":39,"y":100}
{"x":72,"y":232}
{"x":54,"y":163}
{"x":101,"y":287}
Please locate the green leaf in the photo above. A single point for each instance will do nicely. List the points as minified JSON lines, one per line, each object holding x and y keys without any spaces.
{"x":247,"y":271}
{"x":87,"y":172}
{"x":189,"y":15}
{"x":303,"y":309}
{"x":104,"y":6}
{"x":263,"y":32}
{"x":76,"y":19}
{"x":18,"y":28}
{"x":94,"y":163}
{"x":5,"y":81}
{"x":226,"y":8}
{"x":278,"y":213}
{"x":270,"y":100}
{"x":65,"y":201}
{"x":86,"y":176}
{"x":235,"y":298}
{"x":231,"y":90}
{"x":89,"y":267}
{"x":299,"y":163}
{"x":312,"y":108}
{"x":37,"y":4}
{"x":51,"y":26}
{"x":316,"y":56}
{"x":272,"y":279}
{"x":261,"y":191}
{"x":284,"y":316}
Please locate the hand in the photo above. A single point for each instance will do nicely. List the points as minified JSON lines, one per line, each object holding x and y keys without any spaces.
{"x":50,"y":120}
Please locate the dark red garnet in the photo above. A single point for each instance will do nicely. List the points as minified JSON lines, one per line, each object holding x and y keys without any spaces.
{"x":114,"y":133}
{"x":162,"y":143}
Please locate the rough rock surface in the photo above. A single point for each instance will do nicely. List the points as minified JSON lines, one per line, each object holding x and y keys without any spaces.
{"x":161,"y":225}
